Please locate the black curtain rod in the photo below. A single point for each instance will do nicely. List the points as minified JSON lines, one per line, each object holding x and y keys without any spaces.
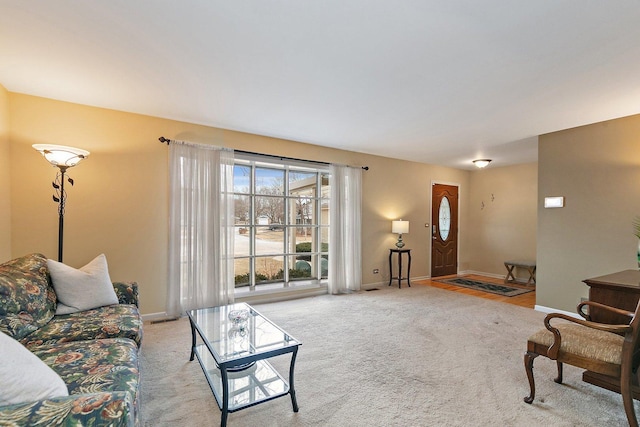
{"x":168,"y":141}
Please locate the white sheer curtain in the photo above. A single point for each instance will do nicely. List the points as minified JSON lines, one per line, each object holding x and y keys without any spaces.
{"x":345,"y":238}
{"x":201,"y":227}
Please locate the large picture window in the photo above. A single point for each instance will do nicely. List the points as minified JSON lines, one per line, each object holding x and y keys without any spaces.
{"x":281,"y":223}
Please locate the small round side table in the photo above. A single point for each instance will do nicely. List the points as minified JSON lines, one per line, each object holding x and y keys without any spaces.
{"x":399,"y":277}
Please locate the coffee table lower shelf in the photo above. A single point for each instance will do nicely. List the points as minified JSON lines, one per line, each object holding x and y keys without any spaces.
{"x":251,"y":386}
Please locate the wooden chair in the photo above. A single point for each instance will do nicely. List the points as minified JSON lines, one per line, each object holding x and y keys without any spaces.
{"x":597,"y":347}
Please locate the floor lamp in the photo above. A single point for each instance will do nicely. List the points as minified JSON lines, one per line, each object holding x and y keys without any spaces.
{"x":63,"y":158}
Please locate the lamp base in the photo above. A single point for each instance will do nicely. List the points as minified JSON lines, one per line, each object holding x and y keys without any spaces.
{"x":400,"y":243}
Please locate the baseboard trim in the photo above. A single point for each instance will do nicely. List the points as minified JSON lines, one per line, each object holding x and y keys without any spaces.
{"x":366,"y":286}
{"x":548,"y":310}
{"x":482,"y":273}
{"x":519,"y":280}
{"x":157,"y":317}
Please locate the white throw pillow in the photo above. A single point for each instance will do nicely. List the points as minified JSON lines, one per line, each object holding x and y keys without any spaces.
{"x":24,"y":377}
{"x":82,"y":289}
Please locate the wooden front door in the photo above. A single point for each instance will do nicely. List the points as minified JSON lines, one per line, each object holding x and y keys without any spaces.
{"x":444,"y":230}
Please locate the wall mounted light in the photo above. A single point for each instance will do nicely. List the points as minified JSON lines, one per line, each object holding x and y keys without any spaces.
{"x":400,"y":227}
{"x":63,"y":158}
{"x":481,"y":163}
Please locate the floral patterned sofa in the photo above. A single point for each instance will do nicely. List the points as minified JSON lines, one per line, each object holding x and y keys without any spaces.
{"x":95,"y":352}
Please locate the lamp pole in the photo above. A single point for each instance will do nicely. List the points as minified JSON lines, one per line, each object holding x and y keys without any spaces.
{"x":61,"y":200}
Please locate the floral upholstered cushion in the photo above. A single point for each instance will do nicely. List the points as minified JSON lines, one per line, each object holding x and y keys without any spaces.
{"x":93,"y":366}
{"x":112,"y":321}
{"x":102,"y":377}
{"x":27,"y":302}
{"x":113,"y":409}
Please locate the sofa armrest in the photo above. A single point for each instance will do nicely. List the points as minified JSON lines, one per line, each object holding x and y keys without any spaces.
{"x":94,"y":409}
{"x":127,"y":292}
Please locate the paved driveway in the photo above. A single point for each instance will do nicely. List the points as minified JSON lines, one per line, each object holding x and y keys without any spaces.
{"x":263,"y":247}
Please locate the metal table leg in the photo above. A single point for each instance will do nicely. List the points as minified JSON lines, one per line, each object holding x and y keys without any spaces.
{"x":225,"y":397}
{"x":292,"y":390}
{"x":193,"y":340}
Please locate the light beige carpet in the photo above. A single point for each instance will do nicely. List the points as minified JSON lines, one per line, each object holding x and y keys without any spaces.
{"x":416,"y":356}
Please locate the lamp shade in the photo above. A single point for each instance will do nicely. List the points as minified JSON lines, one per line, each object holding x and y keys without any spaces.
{"x":60,"y":155}
{"x":400,"y":227}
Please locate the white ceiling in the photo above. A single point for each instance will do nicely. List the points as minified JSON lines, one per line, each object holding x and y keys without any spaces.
{"x":435,"y":81}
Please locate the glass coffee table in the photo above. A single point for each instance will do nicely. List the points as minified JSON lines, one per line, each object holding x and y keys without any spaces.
{"x":235,"y":343}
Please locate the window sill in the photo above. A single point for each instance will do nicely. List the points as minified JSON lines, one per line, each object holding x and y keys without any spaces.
{"x":278,"y":292}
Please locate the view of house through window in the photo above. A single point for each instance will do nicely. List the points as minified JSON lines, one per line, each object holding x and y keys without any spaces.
{"x":281,"y":224}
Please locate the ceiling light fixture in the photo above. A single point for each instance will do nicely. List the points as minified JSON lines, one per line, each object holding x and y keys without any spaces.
{"x":481,"y":163}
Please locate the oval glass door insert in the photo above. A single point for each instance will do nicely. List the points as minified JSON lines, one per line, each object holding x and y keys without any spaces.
{"x":444,"y":216}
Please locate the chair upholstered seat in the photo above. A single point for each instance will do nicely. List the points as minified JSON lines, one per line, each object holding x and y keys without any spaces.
{"x":605,"y":349}
{"x":584,"y":342}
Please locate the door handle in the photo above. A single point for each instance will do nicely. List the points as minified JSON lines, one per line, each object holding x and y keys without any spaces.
{"x":433,"y":236}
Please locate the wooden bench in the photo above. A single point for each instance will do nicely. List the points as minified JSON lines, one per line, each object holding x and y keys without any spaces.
{"x":530,"y":266}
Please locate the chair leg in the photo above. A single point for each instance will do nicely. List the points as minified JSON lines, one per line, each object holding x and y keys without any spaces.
{"x":528,"y":366}
{"x":627,"y":394}
{"x":558,"y":379}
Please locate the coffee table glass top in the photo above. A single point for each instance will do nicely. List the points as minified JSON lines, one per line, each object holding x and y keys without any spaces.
{"x":230,"y":341}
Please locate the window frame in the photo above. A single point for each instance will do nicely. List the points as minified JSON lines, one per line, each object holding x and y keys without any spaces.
{"x":319,"y":226}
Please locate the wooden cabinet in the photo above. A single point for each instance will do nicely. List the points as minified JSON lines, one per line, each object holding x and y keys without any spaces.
{"x":621,"y":290}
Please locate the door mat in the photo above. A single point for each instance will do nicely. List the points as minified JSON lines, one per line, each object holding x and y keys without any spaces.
{"x":493,"y":288}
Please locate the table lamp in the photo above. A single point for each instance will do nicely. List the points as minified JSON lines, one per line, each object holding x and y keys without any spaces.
{"x":400,"y":227}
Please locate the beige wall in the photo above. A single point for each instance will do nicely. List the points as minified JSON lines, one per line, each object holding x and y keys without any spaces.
{"x":502,"y":217}
{"x":396,"y":189}
{"x":119,"y":204}
{"x":597,"y":169}
{"x":5,"y":173}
